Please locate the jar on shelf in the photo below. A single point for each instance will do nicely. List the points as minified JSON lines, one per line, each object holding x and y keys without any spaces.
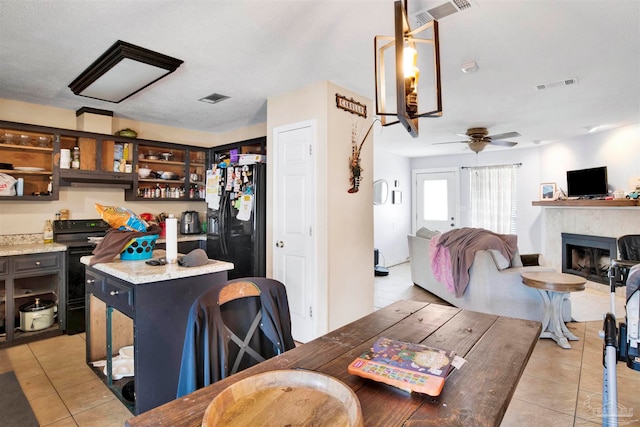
{"x":75,"y":162}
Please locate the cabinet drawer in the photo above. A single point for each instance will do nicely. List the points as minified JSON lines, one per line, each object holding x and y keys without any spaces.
{"x":35,"y":262}
{"x":120,"y":297}
{"x":95,"y":284}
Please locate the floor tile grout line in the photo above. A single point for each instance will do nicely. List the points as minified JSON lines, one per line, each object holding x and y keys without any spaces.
{"x":54,"y":387}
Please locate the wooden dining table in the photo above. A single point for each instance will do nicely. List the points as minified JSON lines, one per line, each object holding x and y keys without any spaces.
{"x":496,"y":350}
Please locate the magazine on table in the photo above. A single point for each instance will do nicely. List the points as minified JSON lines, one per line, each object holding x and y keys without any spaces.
{"x":408,"y":366}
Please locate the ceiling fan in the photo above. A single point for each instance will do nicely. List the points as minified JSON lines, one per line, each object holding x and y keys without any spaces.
{"x":478,"y":138}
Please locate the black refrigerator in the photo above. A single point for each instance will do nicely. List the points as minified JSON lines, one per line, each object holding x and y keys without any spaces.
{"x":233,"y":234}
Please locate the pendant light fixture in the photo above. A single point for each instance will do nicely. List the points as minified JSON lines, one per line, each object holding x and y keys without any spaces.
{"x":417,"y":53}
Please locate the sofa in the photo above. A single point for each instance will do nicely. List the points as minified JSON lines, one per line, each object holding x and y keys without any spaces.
{"x":495,"y":284}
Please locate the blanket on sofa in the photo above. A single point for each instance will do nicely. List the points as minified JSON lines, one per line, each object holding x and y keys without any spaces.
{"x":462,"y":245}
{"x":441,"y":263}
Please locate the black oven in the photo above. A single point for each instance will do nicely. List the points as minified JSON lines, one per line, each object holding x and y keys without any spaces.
{"x":76,"y":234}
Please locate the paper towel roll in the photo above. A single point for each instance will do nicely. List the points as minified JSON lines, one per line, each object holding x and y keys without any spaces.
{"x":65,"y":158}
{"x":172,"y":239}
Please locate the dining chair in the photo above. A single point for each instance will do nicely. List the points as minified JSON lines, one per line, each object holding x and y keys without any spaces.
{"x":231,"y":327}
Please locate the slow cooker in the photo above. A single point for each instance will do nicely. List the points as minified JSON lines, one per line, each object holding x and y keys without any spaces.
{"x":37,"y":315}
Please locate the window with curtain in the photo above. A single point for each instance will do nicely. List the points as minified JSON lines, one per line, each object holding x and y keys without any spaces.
{"x":493,"y":198}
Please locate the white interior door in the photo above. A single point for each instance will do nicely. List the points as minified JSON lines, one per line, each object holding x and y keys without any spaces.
{"x":436,"y":199}
{"x":294,"y":220}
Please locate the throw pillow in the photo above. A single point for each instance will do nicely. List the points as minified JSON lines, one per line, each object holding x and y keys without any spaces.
{"x":516,"y":261}
{"x":530,"y":260}
{"x":499,"y":259}
{"x":425,"y":233}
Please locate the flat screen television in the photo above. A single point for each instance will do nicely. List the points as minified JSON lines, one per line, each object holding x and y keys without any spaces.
{"x":587,"y":183}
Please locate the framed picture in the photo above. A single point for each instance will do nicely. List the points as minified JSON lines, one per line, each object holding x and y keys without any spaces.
{"x":548,"y":191}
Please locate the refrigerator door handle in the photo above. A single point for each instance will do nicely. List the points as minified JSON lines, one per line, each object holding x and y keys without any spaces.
{"x":223,"y":224}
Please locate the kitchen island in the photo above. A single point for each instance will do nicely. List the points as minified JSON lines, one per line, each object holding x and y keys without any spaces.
{"x":131,"y":302}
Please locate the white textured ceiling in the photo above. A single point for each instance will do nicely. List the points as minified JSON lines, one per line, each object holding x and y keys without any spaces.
{"x":251,"y":50}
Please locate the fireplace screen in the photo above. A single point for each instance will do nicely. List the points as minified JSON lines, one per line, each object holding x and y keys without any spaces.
{"x":588,"y":256}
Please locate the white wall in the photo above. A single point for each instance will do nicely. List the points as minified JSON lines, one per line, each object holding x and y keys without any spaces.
{"x":345,"y":220}
{"x":618,"y":149}
{"x":392,"y":222}
{"x":528,"y":225}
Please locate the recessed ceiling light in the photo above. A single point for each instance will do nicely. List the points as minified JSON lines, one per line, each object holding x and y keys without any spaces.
{"x":214,"y":98}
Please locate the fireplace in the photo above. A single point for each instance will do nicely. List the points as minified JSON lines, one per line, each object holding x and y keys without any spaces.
{"x":588,"y":256}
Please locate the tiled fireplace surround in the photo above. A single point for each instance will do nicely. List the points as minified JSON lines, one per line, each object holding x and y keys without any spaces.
{"x":597,"y":221}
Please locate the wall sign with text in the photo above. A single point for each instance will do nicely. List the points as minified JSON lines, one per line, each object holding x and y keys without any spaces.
{"x":351,"y":105}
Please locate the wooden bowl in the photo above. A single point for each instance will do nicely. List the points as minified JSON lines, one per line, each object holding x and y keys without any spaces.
{"x":286,"y":397}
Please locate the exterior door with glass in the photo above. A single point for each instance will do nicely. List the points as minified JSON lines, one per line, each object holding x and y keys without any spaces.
{"x":436,"y":199}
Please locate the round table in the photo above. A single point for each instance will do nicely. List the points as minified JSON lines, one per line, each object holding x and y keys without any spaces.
{"x":553,"y":287}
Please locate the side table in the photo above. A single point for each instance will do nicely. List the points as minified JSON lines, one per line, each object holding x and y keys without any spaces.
{"x":553,"y":287}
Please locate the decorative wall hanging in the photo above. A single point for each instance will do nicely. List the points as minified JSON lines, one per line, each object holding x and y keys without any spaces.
{"x":357,"y":141}
{"x":350,"y":105}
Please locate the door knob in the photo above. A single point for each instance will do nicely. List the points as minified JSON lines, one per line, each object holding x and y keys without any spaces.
{"x":113,"y":293}
{"x":279,"y":244}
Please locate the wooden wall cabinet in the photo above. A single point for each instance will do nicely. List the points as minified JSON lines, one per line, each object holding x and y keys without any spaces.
{"x":177,"y":172}
{"x":250,"y":146}
{"x":104,"y":160}
{"x":30,"y":152}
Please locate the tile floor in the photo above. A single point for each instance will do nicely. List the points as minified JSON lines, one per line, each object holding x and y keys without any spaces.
{"x":558,"y":388}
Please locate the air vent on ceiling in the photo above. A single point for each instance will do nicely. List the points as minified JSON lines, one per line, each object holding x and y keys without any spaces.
{"x":436,"y":10}
{"x":566,"y":82}
{"x":214,"y":98}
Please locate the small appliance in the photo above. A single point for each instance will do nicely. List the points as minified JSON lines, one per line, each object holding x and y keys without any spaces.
{"x":190,"y":223}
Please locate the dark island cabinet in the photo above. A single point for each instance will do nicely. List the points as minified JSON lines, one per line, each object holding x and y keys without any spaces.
{"x":150,"y":316}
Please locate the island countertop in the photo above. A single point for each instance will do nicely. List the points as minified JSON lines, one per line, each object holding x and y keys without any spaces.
{"x":139,"y":272}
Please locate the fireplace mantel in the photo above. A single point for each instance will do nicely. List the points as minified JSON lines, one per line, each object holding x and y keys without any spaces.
{"x":615,"y":203}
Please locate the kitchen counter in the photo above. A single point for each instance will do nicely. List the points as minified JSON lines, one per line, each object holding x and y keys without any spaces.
{"x":139,"y":272}
{"x":30,"y":248}
{"x":25,"y":244}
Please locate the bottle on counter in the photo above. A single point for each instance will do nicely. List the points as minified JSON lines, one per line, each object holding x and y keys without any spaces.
{"x":48,"y":232}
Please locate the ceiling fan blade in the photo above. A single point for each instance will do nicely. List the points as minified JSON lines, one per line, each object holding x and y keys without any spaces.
{"x":504,"y":135}
{"x":451,"y":142}
{"x":503,"y":143}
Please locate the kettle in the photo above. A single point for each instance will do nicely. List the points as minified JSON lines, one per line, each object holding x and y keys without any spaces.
{"x":190,"y":223}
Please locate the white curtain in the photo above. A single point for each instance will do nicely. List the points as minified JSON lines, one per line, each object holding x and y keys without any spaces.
{"x":493,"y":198}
